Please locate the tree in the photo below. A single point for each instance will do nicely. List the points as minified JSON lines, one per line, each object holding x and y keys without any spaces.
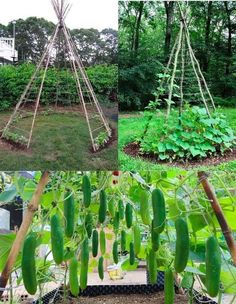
{"x":169,"y":8}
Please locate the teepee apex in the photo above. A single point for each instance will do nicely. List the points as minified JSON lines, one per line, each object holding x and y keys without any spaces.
{"x":61,"y":8}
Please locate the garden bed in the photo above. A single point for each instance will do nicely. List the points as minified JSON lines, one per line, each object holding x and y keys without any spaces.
{"x":133,"y":149}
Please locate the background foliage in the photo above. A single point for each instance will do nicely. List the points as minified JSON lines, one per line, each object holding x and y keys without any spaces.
{"x":146,"y":35}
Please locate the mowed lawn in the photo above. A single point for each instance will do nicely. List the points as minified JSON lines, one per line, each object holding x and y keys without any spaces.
{"x":59,"y":142}
{"x":131,"y":126}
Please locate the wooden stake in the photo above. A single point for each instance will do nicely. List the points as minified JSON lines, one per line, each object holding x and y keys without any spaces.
{"x":27,"y":220}
{"x":219,"y":214}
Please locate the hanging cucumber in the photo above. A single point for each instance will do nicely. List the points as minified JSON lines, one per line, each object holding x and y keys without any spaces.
{"x":111,"y":208}
{"x":115,"y":252}
{"x":86,"y":188}
{"x":131,"y":253}
{"x":57,"y":239}
{"x":144,"y":208}
{"x":152,"y":266}
{"x":137,"y":240}
{"x":28,"y":264}
{"x":121,"y":209}
{"x":213,"y":266}
{"x":84,"y":258}
{"x":159,"y":210}
{"x":69,"y":213}
{"x":116,"y":222}
{"x":102,"y":242}
{"x":123,"y":240}
{"x":95,"y":243}
{"x":89,"y":224}
{"x":155,"y":238}
{"x":169,"y":289}
{"x":100,"y":268}
{"x":102,"y":207}
{"x":73,"y":277}
{"x":129,"y":215}
{"x":182,"y":245}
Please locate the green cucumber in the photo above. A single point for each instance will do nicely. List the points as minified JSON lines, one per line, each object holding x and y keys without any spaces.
{"x":115,"y":252}
{"x":137,"y":240}
{"x":123,"y":240}
{"x":159,"y":210}
{"x":181,"y":245}
{"x":129,"y":215}
{"x":95,"y":243}
{"x":102,"y":242}
{"x":57,"y":239}
{"x":131,"y":253}
{"x":84,"y":258}
{"x":89,"y":224}
{"x":111,"y":208}
{"x":169,"y":289}
{"x":100,"y":268}
{"x":155,"y":238}
{"x":121,"y":209}
{"x":144,"y":208}
{"x":28,"y":264}
{"x":86,"y":188}
{"x":152,"y":266}
{"x":73,"y":277}
{"x":116,"y":222}
{"x":69,"y":213}
{"x":213,"y":266}
{"x":102,"y":207}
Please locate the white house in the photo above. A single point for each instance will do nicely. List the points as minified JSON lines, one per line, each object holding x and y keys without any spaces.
{"x":8,"y":54}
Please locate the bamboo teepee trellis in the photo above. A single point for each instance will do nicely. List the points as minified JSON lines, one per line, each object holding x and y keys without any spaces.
{"x":182,"y":71}
{"x":29,"y":101}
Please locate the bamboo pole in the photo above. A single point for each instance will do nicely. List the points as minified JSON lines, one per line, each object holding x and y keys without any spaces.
{"x":219,"y":214}
{"x":27,"y":220}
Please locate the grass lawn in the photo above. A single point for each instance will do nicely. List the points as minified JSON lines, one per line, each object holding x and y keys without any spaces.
{"x":131,"y":125}
{"x":59,"y":142}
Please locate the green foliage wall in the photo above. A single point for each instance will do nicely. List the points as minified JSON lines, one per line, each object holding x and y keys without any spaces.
{"x":13,"y":80}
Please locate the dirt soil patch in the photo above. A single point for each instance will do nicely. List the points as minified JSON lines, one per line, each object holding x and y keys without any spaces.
{"x":127,"y":299}
{"x":133,"y":149}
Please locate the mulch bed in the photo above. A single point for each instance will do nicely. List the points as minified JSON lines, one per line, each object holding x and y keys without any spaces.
{"x":127,"y":299}
{"x":133,"y":149}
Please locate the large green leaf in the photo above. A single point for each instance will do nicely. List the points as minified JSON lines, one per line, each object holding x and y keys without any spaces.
{"x":8,"y":195}
{"x":6,"y":241}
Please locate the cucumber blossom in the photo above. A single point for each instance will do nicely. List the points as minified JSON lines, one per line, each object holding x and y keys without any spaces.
{"x":116,"y":222}
{"x":73,"y":277}
{"x":129,"y":215}
{"x":152,"y":266}
{"x":115,"y":252}
{"x":181,"y":245}
{"x":169,"y":289}
{"x":131,"y":253}
{"x":28,"y":264}
{"x":86,"y":188}
{"x":159,"y":210}
{"x":144,"y":208}
{"x":95,"y":243}
{"x":102,"y":207}
{"x":89,"y":224}
{"x":121,"y":210}
{"x":213,"y":266}
{"x":155,"y":238}
{"x":84,"y":258}
{"x":57,"y":239}
{"x":123,"y":240}
{"x":102,"y":242}
{"x":69,"y":213}
{"x":100,"y":268}
{"x":137,"y":240}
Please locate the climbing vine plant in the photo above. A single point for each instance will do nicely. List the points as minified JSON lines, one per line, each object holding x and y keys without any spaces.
{"x":158,"y":217}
